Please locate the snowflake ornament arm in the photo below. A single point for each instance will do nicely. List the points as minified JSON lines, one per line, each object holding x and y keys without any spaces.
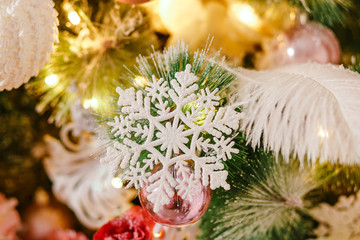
{"x":166,"y":126}
{"x":208,"y":100}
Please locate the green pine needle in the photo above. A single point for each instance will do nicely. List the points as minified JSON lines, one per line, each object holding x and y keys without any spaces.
{"x":329,"y":12}
{"x":267,"y":198}
{"x":175,"y":58}
{"x":357,"y":69}
{"x":164,"y":65}
{"x":88,"y":64}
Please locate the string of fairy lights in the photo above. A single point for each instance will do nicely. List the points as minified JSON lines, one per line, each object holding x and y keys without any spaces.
{"x":241,"y":12}
{"x":52,"y":80}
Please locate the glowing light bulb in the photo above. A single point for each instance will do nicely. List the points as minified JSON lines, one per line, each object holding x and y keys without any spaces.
{"x":158,"y":235}
{"x":141,"y":81}
{"x":323,"y":133}
{"x":93,"y":103}
{"x":158,"y":231}
{"x":52,"y":80}
{"x":74,"y":18}
{"x":116,"y":182}
{"x":293,"y":15}
{"x":246,"y":14}
{"x":290,"y":51}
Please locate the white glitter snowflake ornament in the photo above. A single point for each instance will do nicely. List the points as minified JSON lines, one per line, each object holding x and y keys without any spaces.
{"x":175,"y":126}
{"x":28,"y":30}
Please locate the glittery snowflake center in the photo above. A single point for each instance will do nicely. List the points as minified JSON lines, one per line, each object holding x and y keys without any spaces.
{"x":169,"y":124}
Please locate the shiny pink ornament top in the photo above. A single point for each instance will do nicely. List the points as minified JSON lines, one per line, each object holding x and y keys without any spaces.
{"x":182,"y":210}
{"x":301,"y":44}
{"x":179,"y":212}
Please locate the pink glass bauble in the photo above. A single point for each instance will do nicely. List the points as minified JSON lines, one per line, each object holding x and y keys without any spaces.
{"x":300,"y":44}
{"x":10,"y":221}
{"x":180,"y":211}
{"x":42,"y":220}
{"x":133,"y":1}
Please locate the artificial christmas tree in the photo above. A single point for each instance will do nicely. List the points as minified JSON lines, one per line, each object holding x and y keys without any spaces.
{"x":256,"y":141}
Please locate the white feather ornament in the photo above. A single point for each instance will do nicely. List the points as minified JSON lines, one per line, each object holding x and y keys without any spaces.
{"x":310,"y":111}
{"x":28,"y":30}
{"x":81,"y":182}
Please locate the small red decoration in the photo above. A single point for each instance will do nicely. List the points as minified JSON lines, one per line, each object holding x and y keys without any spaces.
{"x":135,"y":224}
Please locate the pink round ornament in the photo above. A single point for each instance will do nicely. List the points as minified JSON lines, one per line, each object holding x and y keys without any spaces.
{"x":180,"y":211}
{"x":133,"y":1}
{"x":10,"y":220}
{"x":42,"y":220}
{"x":300,"y":44}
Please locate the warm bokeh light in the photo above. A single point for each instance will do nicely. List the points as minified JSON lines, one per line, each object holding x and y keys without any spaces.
{"x":141,"y":81}
{"x":246,"y":14}
{"x":52,"y":80}
{"x":323,"y":133}
{"x":158,"y":231}
{"x":74,"y":18}
{"x":290,"y":51}
{"x":116,"y":182}
{"x":158,"y":235}
{"x":93,"y":103}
